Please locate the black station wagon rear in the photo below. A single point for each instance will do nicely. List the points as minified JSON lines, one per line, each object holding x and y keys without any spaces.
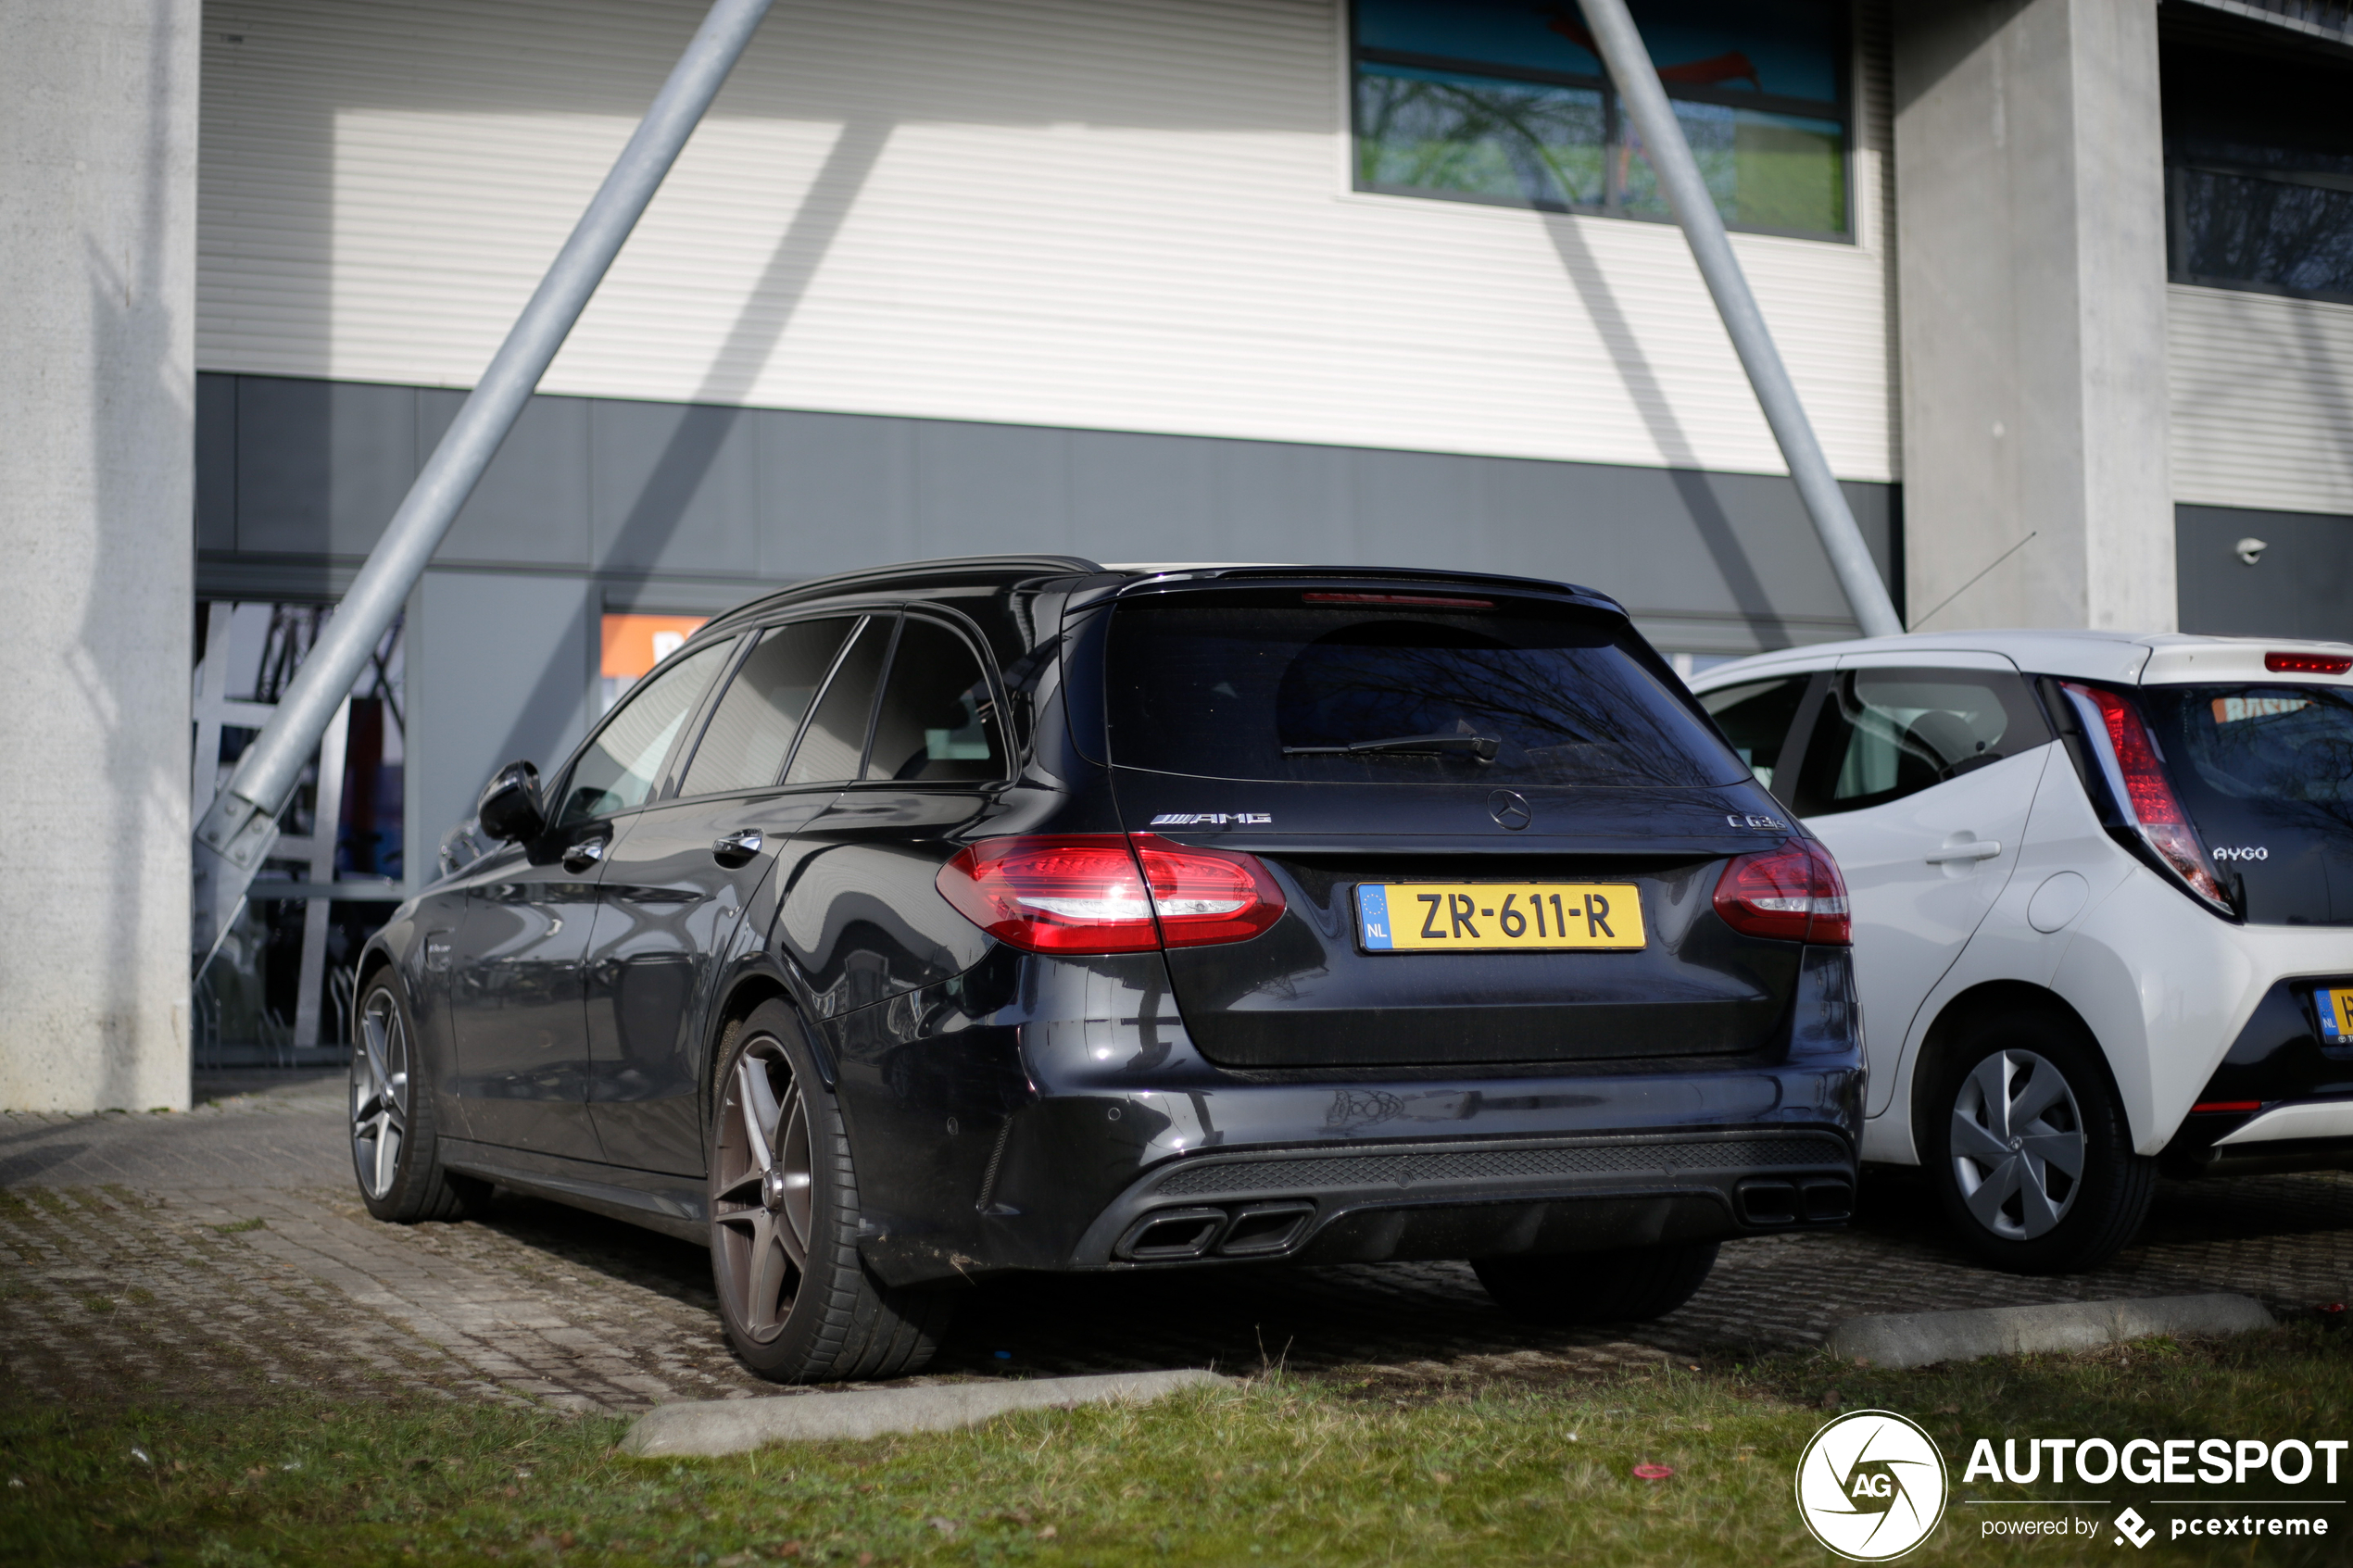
{"x":924,"y":924}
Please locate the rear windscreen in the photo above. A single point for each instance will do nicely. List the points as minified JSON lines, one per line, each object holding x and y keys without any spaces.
{"x":1273,"y":685}
{"x":2266,"y":772}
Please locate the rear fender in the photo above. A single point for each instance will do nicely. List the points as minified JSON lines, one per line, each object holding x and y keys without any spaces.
{"x":2063,"y":838}
{"x":2167,"y":987}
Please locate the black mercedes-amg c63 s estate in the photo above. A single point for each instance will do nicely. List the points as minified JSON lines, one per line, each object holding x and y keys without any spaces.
{"x":921,"y":925}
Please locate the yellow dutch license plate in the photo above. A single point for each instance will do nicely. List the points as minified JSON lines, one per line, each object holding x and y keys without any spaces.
{"x":1498,"y":917}
{"x":2336,"y":1016}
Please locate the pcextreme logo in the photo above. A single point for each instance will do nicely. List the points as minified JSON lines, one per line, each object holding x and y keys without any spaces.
{"x":1871,"y":1485}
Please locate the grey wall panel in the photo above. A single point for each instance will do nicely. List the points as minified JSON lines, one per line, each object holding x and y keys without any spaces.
{"x":610,"y":504}
{"x":217,"y":477}
{"x":1279,"y":501}
{"x":1149,"y":497}
{"x":674,"y":487}
{"x":2300,"y":586}
{"x":837,"y":491}
{"x":717,"y":499}
{"x":499,"y":669}
{"x":320,"y":465}
{"x":1008,"y":482}
{"x":532,"y":503}
{"x":713,"y":501}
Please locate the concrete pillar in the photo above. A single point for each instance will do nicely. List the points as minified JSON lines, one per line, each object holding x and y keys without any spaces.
{"x":98,"y":397}
{"x":2031,"y":262}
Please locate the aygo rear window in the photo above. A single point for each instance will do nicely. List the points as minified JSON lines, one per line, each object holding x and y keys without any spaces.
{"x":1268,"y":685}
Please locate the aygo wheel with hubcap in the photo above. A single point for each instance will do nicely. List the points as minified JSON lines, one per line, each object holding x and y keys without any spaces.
{"x":2029,"y":1148}
{"x":798,"y":1303}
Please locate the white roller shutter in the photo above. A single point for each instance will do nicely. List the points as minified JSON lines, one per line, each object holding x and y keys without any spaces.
{"x":1063,"y":212}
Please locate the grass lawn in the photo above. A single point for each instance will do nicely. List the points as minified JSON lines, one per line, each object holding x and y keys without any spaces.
{"x":1281,"y":1470}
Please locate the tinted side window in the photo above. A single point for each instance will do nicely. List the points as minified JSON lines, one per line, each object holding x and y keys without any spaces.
{"x":830,"y":748}
{"x":938,"y":721}
{"x":620,"y":767}
{"x":751,"y":733}
{"x":1887,"y":734}
{"x":1756,"y":718}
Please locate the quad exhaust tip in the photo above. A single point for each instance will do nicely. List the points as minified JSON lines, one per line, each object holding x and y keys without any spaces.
{"x":1245,"y":1230}
{"x":1817,"y":1200}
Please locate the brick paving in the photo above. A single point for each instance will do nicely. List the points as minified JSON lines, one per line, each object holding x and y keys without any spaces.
{"x":223,"y":1256}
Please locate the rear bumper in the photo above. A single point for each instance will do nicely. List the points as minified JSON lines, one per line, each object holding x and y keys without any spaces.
{"x":2289,"y":1090}
{"x":1354,"y":1204}
{"x":1085,"y":1132}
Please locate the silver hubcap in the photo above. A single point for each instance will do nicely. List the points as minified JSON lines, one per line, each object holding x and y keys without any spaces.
{"x":762,"y":1190}
{"x":379,"y":1093}
{"x":2018,"y":1145}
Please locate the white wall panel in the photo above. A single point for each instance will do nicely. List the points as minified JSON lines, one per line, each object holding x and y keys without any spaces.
{"x":1065,"y":212}
{"x":2262,"y":400}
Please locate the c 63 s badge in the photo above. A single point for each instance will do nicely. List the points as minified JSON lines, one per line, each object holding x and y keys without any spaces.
{"x":1871,"y":1485}
{"x":1213,"y":818}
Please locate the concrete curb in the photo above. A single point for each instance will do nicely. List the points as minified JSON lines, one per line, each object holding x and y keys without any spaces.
{"x":1911,"y":1340}
{"x":732,"y":1426}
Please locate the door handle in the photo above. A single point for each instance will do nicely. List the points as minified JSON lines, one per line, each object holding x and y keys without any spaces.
{"x":1983,"y":850}
{"x":585,"y":854}
{"x":737,"y":847}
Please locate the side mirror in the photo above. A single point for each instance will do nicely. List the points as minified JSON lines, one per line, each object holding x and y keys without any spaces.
{"x":509,"y":809}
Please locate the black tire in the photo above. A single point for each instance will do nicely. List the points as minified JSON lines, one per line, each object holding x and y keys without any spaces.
{"x":396,"y":1155}
{"x":1634,"y":1285}
{"x":2017,"y":1095}
{"x":821,"y":1316}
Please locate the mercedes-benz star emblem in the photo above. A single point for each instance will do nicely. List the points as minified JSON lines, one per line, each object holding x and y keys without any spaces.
{"x":1510,"y":810}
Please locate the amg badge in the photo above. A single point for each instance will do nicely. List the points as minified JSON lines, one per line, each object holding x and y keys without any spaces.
{"x":1212,"y":819}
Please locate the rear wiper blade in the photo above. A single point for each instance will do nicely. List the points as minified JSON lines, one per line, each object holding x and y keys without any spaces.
{"x":1484,"y":747}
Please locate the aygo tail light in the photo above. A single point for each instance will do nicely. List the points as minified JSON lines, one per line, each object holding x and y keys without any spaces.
{"x":1791,"y":893}
{"x":2136,"y":778}
{"x":1109,"y":892}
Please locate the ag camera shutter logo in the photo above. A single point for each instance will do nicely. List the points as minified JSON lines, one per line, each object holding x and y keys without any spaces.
{"x":1871,"y":1485}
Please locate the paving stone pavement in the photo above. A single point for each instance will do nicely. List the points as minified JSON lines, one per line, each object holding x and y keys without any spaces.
{"x":222,"y":1255}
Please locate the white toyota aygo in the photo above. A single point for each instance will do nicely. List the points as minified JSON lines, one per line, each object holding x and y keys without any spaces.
{"x":2102,"y":891}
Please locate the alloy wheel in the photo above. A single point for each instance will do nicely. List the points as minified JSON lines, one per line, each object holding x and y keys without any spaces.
{"x":379,"y":1093}
{"x":762,"y":1189}
{"x":2018,"y":1145}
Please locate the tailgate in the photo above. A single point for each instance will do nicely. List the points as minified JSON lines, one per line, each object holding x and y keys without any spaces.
{"x":1312,"y":993}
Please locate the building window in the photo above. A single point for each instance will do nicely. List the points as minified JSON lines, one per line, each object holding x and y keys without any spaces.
{"x":2259,"y":170}
{"x":277,"y":991}
{"x":631,"y":644}
{"x":1505,"y":101}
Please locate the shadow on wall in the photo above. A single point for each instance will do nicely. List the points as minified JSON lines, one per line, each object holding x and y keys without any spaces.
{"x":1710,"y":523}
{"x":670,"y":505}
{"x":679,"y":474}
{"x":139,"y":617}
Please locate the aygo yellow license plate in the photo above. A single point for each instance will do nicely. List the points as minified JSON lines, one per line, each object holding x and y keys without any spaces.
{"x":2336,"y":1017}
{"x":1491,"y":917}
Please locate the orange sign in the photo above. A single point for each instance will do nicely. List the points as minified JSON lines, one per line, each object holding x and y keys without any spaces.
{"x":634,"y":643}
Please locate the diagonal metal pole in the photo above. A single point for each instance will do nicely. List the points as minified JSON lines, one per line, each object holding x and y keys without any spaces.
{"x":1670,"y":155}
{"x":237,"y":833}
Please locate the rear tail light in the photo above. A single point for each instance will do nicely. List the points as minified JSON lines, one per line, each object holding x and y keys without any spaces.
{"x":1791,"y":893}
{"x":1109,"y":892}
{"x":2306,"y":663}
{"x":1206,"y":896}
{"x":2136,"y":778}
